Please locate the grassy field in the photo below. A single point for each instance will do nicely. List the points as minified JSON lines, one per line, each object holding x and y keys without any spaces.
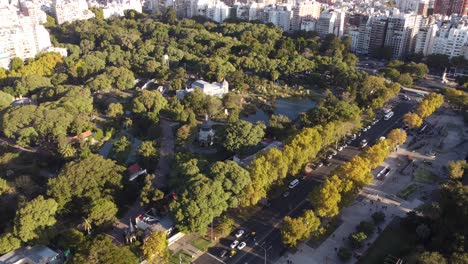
{"x":393,"y":241}
{"x":201,"y":243}
{"x":181,"y":255}
{"x":424,"y":175}
{"x":410,"y":189}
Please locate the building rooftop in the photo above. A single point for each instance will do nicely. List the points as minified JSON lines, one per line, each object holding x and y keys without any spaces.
{"x":31,"y":255}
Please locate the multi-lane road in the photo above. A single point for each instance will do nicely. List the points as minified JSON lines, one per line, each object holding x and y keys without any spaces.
{"x":266,"y":223}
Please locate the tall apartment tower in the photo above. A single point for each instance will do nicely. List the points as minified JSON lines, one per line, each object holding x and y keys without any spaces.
{"x":378,"y":28}
{"x":364,"y":36}
{"x":448,"y":7}
{"x":304,"y":11}
{"x":425,"y":39}
{"x":401,"y":31}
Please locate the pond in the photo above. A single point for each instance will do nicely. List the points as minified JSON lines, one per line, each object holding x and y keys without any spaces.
{"x":290,"y":107}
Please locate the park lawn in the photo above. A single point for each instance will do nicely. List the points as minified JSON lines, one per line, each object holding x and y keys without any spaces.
{"x":424,"y":175}
{"x":410,"y":189}
{"x":394,"y":241}
{"x":184,"y":257}
{"x":201,"y":243}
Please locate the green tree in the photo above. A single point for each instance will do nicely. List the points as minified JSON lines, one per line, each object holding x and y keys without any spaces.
{"x":299,"y":229}
{"x":100,"y":249}
{"x":115,"y":110}
{"x":266,"y":169}
{"x":233,"y":178}
{"x":148,"y":193}
{"x":326,"y":198}
{"x":242,"y":134}
{"x":397,"y":136}
{"x":456,"y":169}
{"x":36,"y":215}
{"x":378,"y":153}
{"x":81,"y":182}
{"x":122,"y":77}
{"x":8,"y":242}
{"x":431,"y":258}
{"x":357,"y":239}
{"x":405,"y":79}
{"x":5,"y":99}
{"x":31,"y":82}
{"x":155,"y":248}
{"x":16,"y":64}
{"x":148,"y":154}
{"x":412,"y":120}
{"x":201,"y":201}
{"x":4,"y":186}
{"x":102,"y":211}
{"x":148,"y":104}
{"x":225,"y":227}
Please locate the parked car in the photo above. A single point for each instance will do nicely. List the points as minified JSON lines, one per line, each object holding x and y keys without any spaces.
{"x":286,"y":194}
{"x":241,"y":245}
{"x":330,"y":156}
{"x":239,"y":233}
{"x":363,"y":143}
{"x":293,"y":184}
{"x":334,"y":153}
{"x":234,"y":244}
{"x":340,"y":148}
{"x":364,"y":129}
{"x":383,"y":173}
{"x":320,"y":165}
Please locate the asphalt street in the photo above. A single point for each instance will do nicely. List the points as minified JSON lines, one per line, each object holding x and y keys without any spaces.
{"x":268,"y":247}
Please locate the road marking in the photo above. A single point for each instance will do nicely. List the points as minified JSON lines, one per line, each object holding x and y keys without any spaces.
{"x":275,"y":226}
{"x":215,"y":257}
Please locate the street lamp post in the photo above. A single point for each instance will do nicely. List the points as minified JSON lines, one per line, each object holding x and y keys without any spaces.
{"x":265,"y":249}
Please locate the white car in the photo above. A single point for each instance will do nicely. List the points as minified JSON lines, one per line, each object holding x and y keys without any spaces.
{"x":239,"y":233}
{"x":364,"y":129}
{"x":241,"y":245}
{"x":320,"y":164}
{"x":330,"y":157}
{"x":334,"y":153}
{"x":340,"y":148}
{"x":234,"y":244}
{"x":368,"y":127}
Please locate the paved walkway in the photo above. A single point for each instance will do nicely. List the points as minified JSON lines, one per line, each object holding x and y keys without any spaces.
{"x":184,"y":244}
{"x":165,"y":153}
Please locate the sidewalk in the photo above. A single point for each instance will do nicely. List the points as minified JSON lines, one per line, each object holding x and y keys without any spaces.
{"x":351,"y":216}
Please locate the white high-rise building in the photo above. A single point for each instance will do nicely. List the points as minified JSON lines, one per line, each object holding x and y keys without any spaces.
{"x":401,"y":32}
{"x":326,"y":23}
{"x":451,"y":40}
{"x":21,"y":35}
{"x":331,"y":21}
{"x":71,"y":10}
{"x":425,"y":39}
{"x":304,"y":11}
{"x":277,"y":15}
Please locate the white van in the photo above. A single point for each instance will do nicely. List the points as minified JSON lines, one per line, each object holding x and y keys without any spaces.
{"x":293,"y":184}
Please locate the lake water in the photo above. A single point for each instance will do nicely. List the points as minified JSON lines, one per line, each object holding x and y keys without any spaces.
{"x":290,"y":107}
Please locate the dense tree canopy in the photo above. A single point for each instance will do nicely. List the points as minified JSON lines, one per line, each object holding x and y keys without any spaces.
{"x":242,"y":134}
{"x":33,"y":217}
{"x":100,"y":249}
{"x":85,"y":181}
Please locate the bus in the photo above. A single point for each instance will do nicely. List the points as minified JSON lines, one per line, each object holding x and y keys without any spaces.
{"x":388,"y":115}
